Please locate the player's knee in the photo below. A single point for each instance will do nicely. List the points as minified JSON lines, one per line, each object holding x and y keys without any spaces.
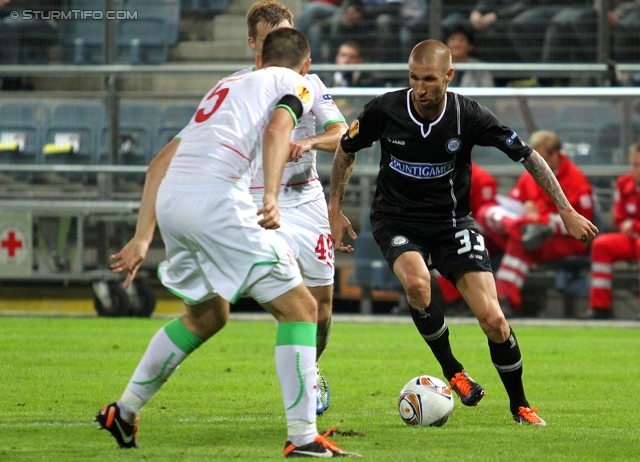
{"x":418,"y":292}
{"x":494,"y":325}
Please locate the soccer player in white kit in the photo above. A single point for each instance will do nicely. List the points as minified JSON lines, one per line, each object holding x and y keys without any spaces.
{"x":217,"y":247}
{"x":303,"y":208}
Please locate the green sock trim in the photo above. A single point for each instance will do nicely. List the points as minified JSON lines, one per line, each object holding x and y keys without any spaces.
{"x":160,"y":374}
{"x":301,"y":378}
{"x":296,"y":333}
{"x":182,"y":338}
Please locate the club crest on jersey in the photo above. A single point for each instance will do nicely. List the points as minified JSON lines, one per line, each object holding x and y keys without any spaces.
{"x":453,"y":145}
{"x":420,"y":170}
{"x":509,"y":141}
{"x":354,"y":129}
{"x":303,"y":93}
{"x":399,"y":240}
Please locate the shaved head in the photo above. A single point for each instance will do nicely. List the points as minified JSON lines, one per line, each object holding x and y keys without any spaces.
{"x":433,"y":53}
{"x":430,"y":71}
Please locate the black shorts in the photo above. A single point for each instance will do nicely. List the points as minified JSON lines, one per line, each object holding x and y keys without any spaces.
{"x":450,"y":250}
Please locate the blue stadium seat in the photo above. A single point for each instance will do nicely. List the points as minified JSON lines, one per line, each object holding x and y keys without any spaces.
{"x":205,"y":8}
{"x":72,"y":135}
{"x":139,"y":122}
{"x":22,"y":125}
{"x":145,"y":38}
{"x":21,"y":130}
{"x":175,"y":118}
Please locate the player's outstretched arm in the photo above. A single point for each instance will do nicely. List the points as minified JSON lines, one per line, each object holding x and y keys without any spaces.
{"x":576,"y":225}
{"x":327,"y":141}
{"x":134,"y":252}
{"x":343,"y":164}
{"x":275,"y":152}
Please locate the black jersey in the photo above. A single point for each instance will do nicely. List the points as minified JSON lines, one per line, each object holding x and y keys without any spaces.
{"x":425,"y":168}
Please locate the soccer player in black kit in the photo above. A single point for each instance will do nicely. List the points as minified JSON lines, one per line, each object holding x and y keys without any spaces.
{"x":421,"y":216}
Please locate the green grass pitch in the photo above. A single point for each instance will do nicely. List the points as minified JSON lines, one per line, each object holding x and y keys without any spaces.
{"x":224,"y":402}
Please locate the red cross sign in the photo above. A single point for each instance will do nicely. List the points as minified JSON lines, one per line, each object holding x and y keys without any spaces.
{"x":11,"y":244}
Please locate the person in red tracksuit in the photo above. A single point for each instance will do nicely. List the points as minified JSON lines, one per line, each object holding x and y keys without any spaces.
{"x":623,"y":245}
{"x":541,"y":212}
{"x":484,"y":188}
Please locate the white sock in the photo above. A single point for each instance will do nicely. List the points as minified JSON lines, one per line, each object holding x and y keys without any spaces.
{"x":167,"y":349}
{"x":295,"y":365}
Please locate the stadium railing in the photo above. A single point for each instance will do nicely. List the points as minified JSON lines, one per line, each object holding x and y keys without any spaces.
{"x":603,"y":123}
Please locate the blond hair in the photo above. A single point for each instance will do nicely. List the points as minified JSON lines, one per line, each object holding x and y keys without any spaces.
{"x":271,"y":12}
{"x":548,"y":140}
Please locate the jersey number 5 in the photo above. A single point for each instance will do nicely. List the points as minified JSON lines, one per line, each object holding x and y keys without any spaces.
{"x":221,"y":93}
{"x":465,"y":240}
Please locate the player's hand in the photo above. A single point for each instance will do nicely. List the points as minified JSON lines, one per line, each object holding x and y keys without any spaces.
{"x":297,"y":150}
{"x":270,"y":214}
{"x":578,"y":226}
{"x":340,"y":224}
{"x":129,"y":259}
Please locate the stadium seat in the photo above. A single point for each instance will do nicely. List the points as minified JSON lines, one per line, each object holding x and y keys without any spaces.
{"x":205,"y":8}
{"x":175,"y":118}
{"x":580,"y":125}
{"x":22,"y":125}
{"x":145,"y":38}
{"x":21,"y":132}
{"x":72,"y":135}
{"x":139,"y":122}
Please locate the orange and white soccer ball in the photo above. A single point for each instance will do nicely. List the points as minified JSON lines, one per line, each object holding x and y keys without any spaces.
{"x":425,"y":401}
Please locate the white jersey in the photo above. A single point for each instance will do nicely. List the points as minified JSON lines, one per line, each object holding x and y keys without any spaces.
{"x":223,"y":140}
{"x":300,"y":181}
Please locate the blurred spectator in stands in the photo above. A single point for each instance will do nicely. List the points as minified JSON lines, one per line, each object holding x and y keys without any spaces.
{"x":23,"y":40}
{"x":314,"y":22}
{"x":528,"y":29}
{"x":414,"y":27}
{"x":460,"y":41}
{"x":618,"y":246}
{"x":491,"y":22}
{"x":624,"y":21}
{"x":351,"y":53}
{"x":540,"y":236}
{"x":571,"y":35}
{"x":455,"y":13}
{"x":369,"y":21}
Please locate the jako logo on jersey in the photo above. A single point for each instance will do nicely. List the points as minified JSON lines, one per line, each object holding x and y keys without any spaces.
{"x":511,"y":139}
{"x":354,"y":129}
{"x":303,"y":93}
{"x":327,"y":97}
{"x":399,"y":240}
{"x":453,"y":145}
{"x":398,"y":142}
{"x":419,"y":170}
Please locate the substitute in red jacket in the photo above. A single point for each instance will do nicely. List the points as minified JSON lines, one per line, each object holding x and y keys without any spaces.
{"x":539,"y":209}
{"x":623,"y":245}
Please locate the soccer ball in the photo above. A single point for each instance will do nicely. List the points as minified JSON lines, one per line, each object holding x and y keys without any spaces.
{"x":425,"y":401}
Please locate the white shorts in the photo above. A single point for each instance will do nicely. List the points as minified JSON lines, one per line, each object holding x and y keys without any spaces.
{"x":306,"y":229}
{"x":215,"y":246}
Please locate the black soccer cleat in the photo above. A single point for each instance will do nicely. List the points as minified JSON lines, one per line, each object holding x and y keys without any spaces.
{"x":469,"y":392}
{"x":124,"y":432}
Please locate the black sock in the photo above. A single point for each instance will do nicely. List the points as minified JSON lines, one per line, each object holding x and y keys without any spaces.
{"x":507,"y":360}
{"x":431,"y":325}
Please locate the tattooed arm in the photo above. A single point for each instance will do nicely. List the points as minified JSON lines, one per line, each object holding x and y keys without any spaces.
{"x":577,"y":226}
{"x":341,"y":171}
